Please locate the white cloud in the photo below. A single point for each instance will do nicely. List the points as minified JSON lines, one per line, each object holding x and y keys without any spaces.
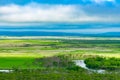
{"x":50,"y":13}
{"x":36,"y":13}
{"x":101,"y":1}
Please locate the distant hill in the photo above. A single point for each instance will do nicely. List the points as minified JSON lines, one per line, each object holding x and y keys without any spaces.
{"x":43,"y":33}
{"x":113,"y":34}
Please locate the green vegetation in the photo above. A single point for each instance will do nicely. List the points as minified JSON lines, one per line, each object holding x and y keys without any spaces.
{"x":13,"y":62}
{"x":103,"y":63}
{"x":53,"y":74}
{"x":51,"y":59}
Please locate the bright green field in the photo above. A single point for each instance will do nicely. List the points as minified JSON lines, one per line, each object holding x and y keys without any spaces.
{"x":22,"y":53}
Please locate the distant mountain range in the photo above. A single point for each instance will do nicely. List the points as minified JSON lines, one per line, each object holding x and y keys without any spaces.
{"x":43,"y":33}
{"x":110,"y":34}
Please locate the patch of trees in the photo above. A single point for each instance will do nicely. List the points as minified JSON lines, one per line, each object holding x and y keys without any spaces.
{"x":103,"y":63}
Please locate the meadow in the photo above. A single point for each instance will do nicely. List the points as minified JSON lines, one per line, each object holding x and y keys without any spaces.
{"x":51,"y":59}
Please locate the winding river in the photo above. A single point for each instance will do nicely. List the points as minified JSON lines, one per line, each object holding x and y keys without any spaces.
{"x":82,"y":64}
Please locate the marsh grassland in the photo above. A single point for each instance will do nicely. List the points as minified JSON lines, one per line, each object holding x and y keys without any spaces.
{"x":52,"y":59}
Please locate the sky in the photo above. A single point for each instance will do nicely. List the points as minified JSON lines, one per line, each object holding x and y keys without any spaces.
{"x":29,"y":12}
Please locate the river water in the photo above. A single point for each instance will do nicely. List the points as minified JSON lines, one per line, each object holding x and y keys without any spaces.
{"x":6,"y":71}
{"x":82,"y":64}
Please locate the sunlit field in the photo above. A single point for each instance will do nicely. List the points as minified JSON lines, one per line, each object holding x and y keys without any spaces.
{"x":51,"y":59}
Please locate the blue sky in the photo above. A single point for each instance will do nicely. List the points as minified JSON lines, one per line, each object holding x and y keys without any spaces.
{"x":28,"y":12}
{"x":23,"y":2}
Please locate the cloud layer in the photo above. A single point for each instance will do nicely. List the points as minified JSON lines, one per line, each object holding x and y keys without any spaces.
{"x":58,"y":13}
{"x":102,"y":1}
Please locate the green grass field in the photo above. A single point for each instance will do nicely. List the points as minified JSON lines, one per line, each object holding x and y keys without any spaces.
{"x":15,"y":53}
{"x":27,"y":55}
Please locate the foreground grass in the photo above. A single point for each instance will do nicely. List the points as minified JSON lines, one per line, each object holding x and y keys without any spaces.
{"x":49,"y":74}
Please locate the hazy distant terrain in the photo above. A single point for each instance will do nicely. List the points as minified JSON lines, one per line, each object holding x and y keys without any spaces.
{"x":45,"y":33}
{"x":62,"y":29}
